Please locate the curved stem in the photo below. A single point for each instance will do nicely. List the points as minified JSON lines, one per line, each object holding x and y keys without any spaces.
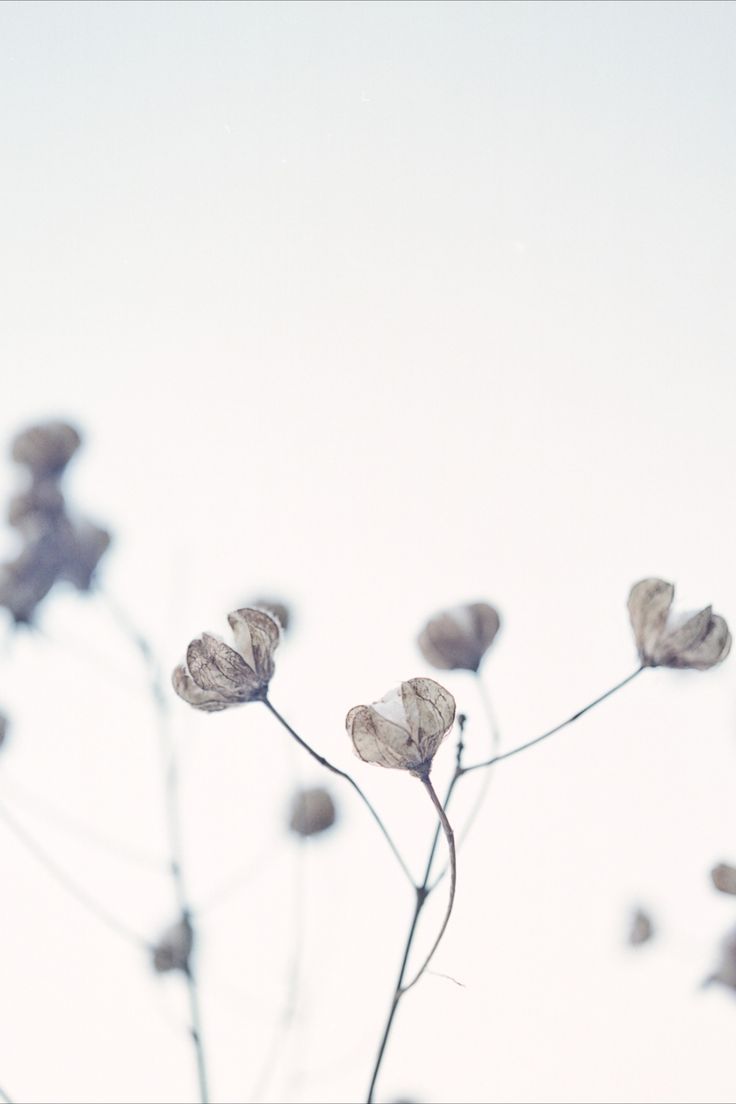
{"x":557,"y":728}
{"x":67,"y":882}
{"x":348,"y":778}
{"x":4,"y":1096}
{"x":450,"y":837}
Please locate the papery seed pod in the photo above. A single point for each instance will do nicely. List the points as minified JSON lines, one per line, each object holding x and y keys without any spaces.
{"x":312,"y":811}
{"x":25,"y":581}
{"x":4,"y":725}
{"x":725,"y":973}
{"x":723,"y":877}
{"x":174,"y":947}
{"x":41,"y":504}
{"x":85,"y":545}
{"x":47,"y":448}
{"x":216,"y":676}
{"x":405,"y":728}
{"x":641,"y":928}
{"x":276,"y":609}
{"x":458,"y":638}
{"x":697,"y":640}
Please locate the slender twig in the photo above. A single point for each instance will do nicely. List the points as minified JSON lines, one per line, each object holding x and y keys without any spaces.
{"x":68,"y":882}
{"x":423,"y":892}
{"x":563,"y":724}
{"x":4,"y":1096}
{"x":450,"y":837}
{"x":173,"y":820}
{"x":349,"y":779}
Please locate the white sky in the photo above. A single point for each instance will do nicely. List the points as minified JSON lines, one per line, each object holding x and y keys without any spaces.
{"x":381,"y":307}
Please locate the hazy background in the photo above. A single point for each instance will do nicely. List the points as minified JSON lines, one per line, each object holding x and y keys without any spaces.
{"x":380,"y":307}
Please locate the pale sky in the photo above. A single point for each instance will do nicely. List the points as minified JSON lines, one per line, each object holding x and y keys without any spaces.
{"x":380,"y":307}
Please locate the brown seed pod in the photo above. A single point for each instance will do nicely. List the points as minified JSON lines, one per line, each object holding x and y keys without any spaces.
{"x":174,"y":947}
{"x":46,"y":448}
{"x":216,"y":676}
{"x":405,"y":728}
{"x":312,"y":811}
{"x":697,"y":640}
{"x":457,"y":639}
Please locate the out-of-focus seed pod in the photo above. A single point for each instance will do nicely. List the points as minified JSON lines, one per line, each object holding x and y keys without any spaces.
{"x":85,"y":545}
{"x":216,"y":676}
{"x":723,"y":877}
{"x":174,"y":947}
{"x":405,"y":728}
{"x":4,"y":726}
{"x":725,"y":972}
{"x":457,"y":639}
{"x":41,"y":504}
{"x":695,"y":640}
{"x":641,"y":928}
{"x":312,"y":811}
{"x":25,"y":581}
{"x":46,"y":448}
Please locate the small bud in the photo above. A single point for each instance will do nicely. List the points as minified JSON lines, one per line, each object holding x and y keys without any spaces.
{"x":641,"y":928}
{"x":405,"y":728}
{"x":457,"y":639}
{"x":699,"y":640}
{"x":723,"y":877}
{"x":46,"y":449}
{"x":312,"y":812}
{"x":174,"y":947}
{"x":725,"y":973}
{"x":216,"y":676}
{"x":276,"y":609}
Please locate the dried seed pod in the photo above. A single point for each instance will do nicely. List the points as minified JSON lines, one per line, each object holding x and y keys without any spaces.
{"x":697,"y":640}
{"x":723,"y":877}
{"x":405,"y":728}
{"x":458,"y":638}
{"x":276,"y":609}
{"x":725,"y":973}
{"x":47,"y":448}
{"x":312,"y":811}
{"x":174,"y":947}
{"x":216,"y":676}
{"x":641,"y":928}
{"x":4,"y":725}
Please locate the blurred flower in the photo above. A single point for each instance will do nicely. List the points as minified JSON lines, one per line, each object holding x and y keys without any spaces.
{"x":312,"y":812}
{"x":84,"y":545}
{"x":26,"y":580}
{"x":276,"y":609}
{"x":723,"y":877}
{"x":4,"y":725}
{"x":459,"y":638}
{"x":641,"y":928}
{"x":696,"y":640}
{"x":174,"y":947}
{"x":41,"y":504}
{"x":216,"y":676}
{"x":726,"y":970}
{"x":405,"y":728}
{"x":47,"y":448}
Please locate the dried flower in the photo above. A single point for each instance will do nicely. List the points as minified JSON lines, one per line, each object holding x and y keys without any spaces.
{"x":46,"y":449}
{"x":641,"y":928}
{"x":723,"y":877}
{"x":459,"y":638}
{"x":216,"y":676}
{"x":276,"y":609}
{"x":312,"y":812}
{"x":174,"y":947}
{"x":405,"y":728}
{"x":698,"y":640}
{"x":725,"y":973}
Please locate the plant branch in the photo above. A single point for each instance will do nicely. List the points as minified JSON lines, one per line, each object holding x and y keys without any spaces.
{"x":551,"y":732}
{"x":349,"y":779}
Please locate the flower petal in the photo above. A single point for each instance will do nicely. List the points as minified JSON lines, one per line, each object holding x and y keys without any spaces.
{"x":649,"y":605}
{"x":187,"y":689}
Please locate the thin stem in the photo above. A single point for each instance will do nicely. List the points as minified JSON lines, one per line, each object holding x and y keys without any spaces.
{"x":67,"y":882}
{"x":170,"y":770}
{"x":4,"y":1096}
{"x":450,"y":837}
{"x":557,"y":728}
{"x":348,"y":778}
